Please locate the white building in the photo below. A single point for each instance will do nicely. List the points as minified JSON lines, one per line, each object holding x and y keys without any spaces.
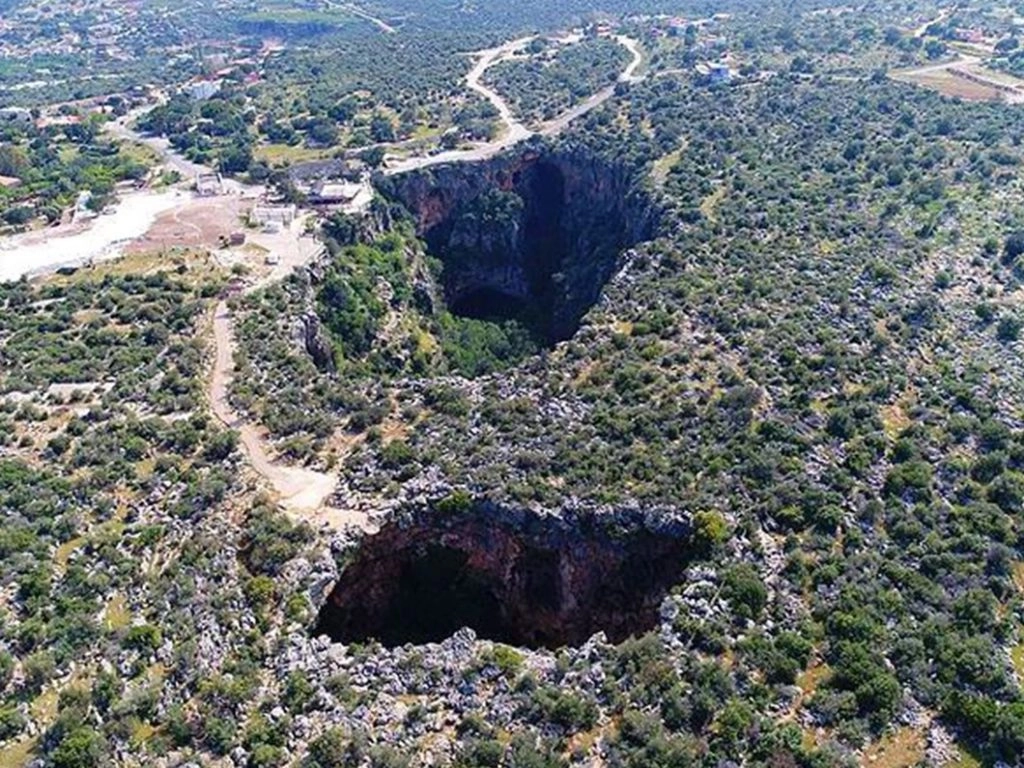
{"x":328,"y":193}
{"x":203,"y":90}
{"x":266,"y":213}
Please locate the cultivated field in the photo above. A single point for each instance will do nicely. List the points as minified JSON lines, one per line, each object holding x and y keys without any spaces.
{"x":967,"y":79}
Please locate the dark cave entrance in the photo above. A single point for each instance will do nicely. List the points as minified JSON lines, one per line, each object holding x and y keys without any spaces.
{"x":544,"y":243}
{"x":549,"y":587}
{"x":503,"y":250}
{"x":493,"y":305}
{"x":530,"y":240}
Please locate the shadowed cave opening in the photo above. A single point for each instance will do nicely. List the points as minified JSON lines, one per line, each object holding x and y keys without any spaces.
{"x":491,"y":304}
{"x":531,"y":239}
{"x":545,"y":583}
{"x":502,"y":251}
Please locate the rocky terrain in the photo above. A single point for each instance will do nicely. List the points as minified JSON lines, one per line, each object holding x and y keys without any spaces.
{"x":690,"y":437}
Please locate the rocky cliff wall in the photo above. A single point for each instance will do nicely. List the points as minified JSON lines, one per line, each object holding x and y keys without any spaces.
{"x":542,"y":228}
{"x":511,"y":575}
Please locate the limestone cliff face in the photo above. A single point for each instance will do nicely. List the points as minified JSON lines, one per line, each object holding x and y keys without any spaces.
{"x":511,"y":575}
{"x":316,"y":343}
{"x":540,"y":226}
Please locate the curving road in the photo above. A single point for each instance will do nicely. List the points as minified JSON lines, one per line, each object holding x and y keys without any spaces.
{"x":299,"y":490}
{"x":302,"y":492}
{"x":515,"y":132}
{"x":188,"y":170}
{"x":382,"y":25}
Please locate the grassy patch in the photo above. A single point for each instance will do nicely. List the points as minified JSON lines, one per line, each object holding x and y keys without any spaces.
{"x":139,"y":153}
{"x":966,"y":759}
{"x":902,"y":748}
{"x":157,"y":673}
{"x":117,"y":616}
{"x":710,"y":203}
{"x":18,"y":755}
{"x":809,"y":680}
{"x":200,"y":267}
{"x":1017,"y":656}
{"x":65,"y":550}
{"x":286,"y":154}
{"x":1018,"y":575}
{"x":44,"y":707}
{"x":664,"y":165}
{"x":142,"y":733}
{"x":894,"y":420}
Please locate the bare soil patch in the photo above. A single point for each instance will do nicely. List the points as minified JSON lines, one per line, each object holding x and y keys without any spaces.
{"x":200,"y":223}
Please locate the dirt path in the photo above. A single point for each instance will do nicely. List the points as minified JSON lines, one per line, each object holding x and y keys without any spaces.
{"x":962,"y":60}
{"x":629,"y":74}
{"x":379,"y":23}
{"x":188,"y":170}
{"x":923,"y":29}
{"x":302,"y":492}
{"x":515,"y":131}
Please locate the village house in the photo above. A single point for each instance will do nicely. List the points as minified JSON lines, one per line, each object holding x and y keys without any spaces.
{"x":209,"y":184}
{"x":203,"y":90}
{"x":264,"y":214}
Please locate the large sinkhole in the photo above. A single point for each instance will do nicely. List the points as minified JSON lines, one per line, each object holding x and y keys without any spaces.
{"x":530,"y":237}
{"x":527,"y":581}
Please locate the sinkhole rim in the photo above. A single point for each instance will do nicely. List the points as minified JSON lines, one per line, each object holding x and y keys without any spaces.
{"x":524,"y":583}
{"x":577,"y":214}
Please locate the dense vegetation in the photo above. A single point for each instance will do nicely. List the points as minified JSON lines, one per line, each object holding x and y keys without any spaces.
{"x":815,"y":363}
{"x":46,"y":168}
{"x":811,"y":355}
{"x":551,"y":79}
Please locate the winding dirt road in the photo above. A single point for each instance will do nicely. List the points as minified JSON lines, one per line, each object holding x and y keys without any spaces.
{"x":299,"y":490}
{"x":515,"y":132}
{"x":302,"y":492}
{"x":121,"y":129}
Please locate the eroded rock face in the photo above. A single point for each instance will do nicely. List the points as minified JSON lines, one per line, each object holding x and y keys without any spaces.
{"x":532,"y":235}
{"x":511,"y":576}
{"x":317,"y":345}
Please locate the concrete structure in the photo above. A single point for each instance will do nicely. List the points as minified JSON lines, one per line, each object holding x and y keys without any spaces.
{"x":334,"y":192}
{"x":209,"y":184}
{"x":82,"y":202}
{"x":202,"y":90}
{"x":714,"y":73}
{"x":266,"y":213}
